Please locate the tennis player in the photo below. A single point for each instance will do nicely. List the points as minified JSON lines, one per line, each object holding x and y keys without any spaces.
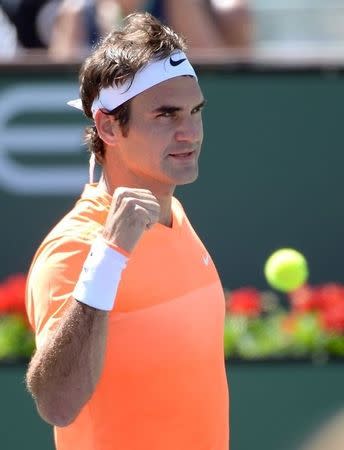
{"x":126,"y":303}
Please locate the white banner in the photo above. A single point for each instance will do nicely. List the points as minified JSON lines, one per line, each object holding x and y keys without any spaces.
{"x":41,"y":139}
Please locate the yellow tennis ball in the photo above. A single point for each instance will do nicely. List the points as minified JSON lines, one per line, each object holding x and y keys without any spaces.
{"x":286,"y":270}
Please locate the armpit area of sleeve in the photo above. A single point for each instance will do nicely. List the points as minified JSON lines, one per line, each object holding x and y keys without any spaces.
{"x":50,"y":285}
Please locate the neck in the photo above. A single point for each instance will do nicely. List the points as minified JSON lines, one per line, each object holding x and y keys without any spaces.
{"x":163,"y":195}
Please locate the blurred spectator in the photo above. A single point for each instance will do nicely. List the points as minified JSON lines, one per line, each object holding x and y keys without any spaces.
{"x":8,"y":37}
{"x":79,"y":24}
{"x":32,"y":20}
{"x":204,"y":23}
{"x":267,"y":27}
{"x":220,"y":23}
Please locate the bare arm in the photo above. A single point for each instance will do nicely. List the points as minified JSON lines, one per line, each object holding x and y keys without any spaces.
{"x":64,"y":373}
{"x":210,"y":26}
{"x":129,"y":6}
{"x":68,"y":38}
{"x":235,"y":22}
{"x":191,"y":18}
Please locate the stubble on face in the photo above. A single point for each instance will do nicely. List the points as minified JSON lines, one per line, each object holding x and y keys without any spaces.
{"x":165,"y":136}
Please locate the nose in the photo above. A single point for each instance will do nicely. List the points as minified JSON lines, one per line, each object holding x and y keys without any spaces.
{"x":190,"y":130}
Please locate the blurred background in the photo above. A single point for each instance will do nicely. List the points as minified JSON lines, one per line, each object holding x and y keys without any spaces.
{"x":271,"y":177}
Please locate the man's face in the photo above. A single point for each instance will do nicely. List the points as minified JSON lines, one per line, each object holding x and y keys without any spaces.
{"x":165,"y":135}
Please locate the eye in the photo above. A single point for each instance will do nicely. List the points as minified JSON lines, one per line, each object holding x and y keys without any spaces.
{"x":166,"y":114}
{"x":197,"y":109}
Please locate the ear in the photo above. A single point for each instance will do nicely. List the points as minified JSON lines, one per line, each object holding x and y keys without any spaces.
{"x":107,"y":127}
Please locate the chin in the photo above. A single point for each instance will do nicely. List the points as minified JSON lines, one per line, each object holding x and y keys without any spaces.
{"x":187,"y":179}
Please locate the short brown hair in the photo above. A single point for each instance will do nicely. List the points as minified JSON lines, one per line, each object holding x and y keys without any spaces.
{"x":116,"y":60}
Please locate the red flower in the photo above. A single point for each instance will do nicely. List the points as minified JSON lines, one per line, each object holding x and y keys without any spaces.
{"x":331,"y":294}
{"x":305,"y":299}
{"x":321,"y":298}
{"x":12,"y":294}
{"x":244,"y":301}
{"x":332,"y":319}
{"x":4,"y":300}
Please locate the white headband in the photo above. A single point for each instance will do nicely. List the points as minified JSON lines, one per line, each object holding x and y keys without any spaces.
{"x":155,"y":72}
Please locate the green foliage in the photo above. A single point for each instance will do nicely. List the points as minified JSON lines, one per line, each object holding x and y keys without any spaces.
{"x":270,"y":336}
{"x":16,"y":340}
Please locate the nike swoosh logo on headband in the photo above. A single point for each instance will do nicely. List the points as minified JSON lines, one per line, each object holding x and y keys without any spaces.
{"x":176,"y":63}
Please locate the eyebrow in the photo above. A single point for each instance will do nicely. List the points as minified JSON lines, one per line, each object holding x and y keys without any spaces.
{"x":172,"y":109}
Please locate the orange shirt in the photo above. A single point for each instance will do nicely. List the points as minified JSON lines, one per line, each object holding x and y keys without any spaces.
{"x":164,"y":383}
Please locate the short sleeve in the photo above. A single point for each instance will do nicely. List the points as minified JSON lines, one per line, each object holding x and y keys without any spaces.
{"x":50,"y":285}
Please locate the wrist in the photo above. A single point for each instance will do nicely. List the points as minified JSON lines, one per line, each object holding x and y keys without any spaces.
{"x":100,"y":276}
{"x":117,"y":248}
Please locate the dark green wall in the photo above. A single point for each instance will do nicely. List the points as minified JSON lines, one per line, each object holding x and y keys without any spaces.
{"x":271,"y":171}
{"x":20,"y":425}
{"x":274,"y":406}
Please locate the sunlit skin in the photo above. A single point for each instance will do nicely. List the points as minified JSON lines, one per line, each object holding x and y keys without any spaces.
{"x":164,"y":141}
{"x":140,"y":171}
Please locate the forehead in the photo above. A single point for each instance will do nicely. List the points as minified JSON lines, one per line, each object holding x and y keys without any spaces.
{"x":179,"y":91}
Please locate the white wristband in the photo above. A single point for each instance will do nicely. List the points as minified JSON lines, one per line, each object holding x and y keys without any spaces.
{"x":100,"y":276}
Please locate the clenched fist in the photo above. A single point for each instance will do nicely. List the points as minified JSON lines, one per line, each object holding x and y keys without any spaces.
{"x":132,"y":212}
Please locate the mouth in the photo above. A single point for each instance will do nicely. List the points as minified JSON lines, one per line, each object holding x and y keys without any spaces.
{"x":182,"y":156}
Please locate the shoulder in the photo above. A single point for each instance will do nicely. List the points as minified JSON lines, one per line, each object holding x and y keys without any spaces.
{"x":63,"y":251}
{"x":53,"y":274}
{"x":75,"y":232}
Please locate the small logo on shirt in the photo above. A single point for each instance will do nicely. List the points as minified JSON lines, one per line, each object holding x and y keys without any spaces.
{"x":176,"y":63}
{"x":206,"y":259}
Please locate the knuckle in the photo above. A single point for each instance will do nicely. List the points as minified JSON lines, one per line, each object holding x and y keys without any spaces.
{"x":141,"y":217}
{"x":118,"y":192}
{"x":119,"y":195}
{"x":139,"y":211}
{"x":129,"y":203}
